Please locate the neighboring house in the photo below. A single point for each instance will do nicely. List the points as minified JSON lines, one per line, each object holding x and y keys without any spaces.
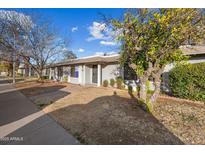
{"x":21,"y":70}
{"x":196,"y":54}
{"x":94,"y":70}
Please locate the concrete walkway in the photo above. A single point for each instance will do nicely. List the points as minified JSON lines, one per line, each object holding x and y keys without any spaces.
{"x":22,"y":123}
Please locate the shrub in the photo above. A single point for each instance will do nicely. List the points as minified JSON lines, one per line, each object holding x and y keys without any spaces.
{"x":105,"y":83}
{"x":44,"y":77}
{"x":130,"y":89}
{"x":65,"y":78}
{"x":188,"y":81}
{"x":119,"y":82}
{"x":112,"y":82}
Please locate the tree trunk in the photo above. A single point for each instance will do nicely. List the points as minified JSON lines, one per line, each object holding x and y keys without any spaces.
{"x":157,"y":84}
{"x":143,"y":90}
{"x":40,"y":74}
{"x":26,"y":64}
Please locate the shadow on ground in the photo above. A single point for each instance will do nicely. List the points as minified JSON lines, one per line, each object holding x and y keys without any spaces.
{"x":13,"y":109}
{"x":10,"y":81}
{"x":104,"y":120}
{"x":39,"y":90}
{"x":113,"y":120}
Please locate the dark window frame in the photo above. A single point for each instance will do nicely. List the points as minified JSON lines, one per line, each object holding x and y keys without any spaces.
{"x":74,"y":71}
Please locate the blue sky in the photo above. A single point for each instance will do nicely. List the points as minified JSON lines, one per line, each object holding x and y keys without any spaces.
{"x":83,"y":28}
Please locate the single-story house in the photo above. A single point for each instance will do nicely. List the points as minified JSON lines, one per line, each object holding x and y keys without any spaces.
{"x":95,"y":69}
{"x":91,"y":70}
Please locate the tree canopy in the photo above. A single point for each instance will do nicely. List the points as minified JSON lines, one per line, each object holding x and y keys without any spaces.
{"x":33,"y":39}
{"x":151,"y":39}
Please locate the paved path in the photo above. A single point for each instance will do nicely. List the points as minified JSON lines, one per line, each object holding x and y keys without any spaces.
{"x":22,"y":123}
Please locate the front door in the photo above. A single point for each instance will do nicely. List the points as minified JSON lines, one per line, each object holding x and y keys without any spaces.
{"x":95,"y":74}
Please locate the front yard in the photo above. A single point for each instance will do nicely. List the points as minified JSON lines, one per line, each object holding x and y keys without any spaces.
{"x":110,"y":116}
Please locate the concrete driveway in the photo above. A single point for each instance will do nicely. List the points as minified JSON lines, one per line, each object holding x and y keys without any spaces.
{"x":22,"y":123}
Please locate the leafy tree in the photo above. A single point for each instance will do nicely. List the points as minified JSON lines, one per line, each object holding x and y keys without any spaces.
{"x":151,"y":39}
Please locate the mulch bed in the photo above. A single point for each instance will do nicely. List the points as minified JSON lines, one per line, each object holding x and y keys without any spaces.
{"x":186,"y":119}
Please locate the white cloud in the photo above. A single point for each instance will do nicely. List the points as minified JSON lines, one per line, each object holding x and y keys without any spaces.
{"x":99,"y":53}
{"x":81,"y":50}
{"x":98,"y":31}
{"x":108,"y":43}
{"x":74,"y":29}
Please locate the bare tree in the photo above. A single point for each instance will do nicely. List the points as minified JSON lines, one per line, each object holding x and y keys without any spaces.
{"x":31,"y":37}
{"x":68,"y":54}
{"x":12,"y":26}
{"x":43,"y":46}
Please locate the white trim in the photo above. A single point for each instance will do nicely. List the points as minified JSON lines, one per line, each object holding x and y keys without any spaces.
{"x":91,"y":74}
{"x":83,"y":74}
{"x":99,"y":75}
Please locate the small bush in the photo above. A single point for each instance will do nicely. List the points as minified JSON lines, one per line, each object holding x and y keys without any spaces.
{"x":188,"y":81}
{"x":112,"y":82}
{"x":119,"y":82}
{"x":105,"y":83}
{"x":44,"y":77}
{"x":65,"y":78}
{"x":130,"y":89}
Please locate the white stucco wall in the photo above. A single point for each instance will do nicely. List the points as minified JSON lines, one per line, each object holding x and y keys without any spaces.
{"x":111,"y":71}
{"x":88,"y":74}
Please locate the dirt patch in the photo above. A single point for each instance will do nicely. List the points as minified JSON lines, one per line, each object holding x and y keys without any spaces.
{"x":104,"y":116}
{"x":110,"y":116}
{"x":113,"y":120}
{"x":185,"y":119}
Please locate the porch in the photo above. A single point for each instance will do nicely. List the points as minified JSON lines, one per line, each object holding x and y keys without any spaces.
{"x":86,"y":74}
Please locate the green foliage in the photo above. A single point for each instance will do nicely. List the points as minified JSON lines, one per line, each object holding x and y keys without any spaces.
{"x":45,"y":77}
{"x":148,"y":87}
{"x":112,"y":82}
{"x":151,"y":37}
{"x":130,"y":89}
{"x":119,"y":82}
{"x":65,"y":78}
{"x":145,"y":106}
{"x":105,"y":83}
{"x":188,"y":81}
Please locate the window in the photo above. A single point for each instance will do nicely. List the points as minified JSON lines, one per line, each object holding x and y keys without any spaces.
{"x":129,"y":73}
{"x":74,"y":71}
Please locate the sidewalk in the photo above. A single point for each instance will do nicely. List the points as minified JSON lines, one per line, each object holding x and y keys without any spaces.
{"x":22,"y":123}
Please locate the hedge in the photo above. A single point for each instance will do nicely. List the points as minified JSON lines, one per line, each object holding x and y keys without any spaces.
{"x":188,"y":81}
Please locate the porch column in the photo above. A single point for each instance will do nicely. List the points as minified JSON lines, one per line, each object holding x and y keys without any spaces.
{"x":69,"y":72}
{"x":99,"y":75}
{"x":29,"y":71}
{"x":83,"y":78}
{"x":50,"y":71}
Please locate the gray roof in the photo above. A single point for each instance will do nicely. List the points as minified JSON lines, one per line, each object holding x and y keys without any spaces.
{"x":91,"y":60}
{"x":187,"y":50}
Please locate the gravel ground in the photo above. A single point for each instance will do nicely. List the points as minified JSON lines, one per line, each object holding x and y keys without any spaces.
{"x":110,"y":116}
{"x":185,"y":120}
